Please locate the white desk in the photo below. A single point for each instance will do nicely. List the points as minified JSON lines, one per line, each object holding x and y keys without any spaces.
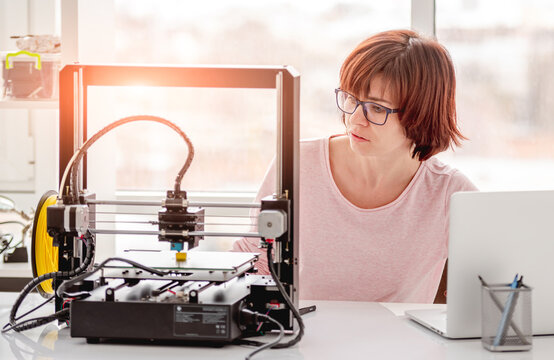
{"x":337,"y":330}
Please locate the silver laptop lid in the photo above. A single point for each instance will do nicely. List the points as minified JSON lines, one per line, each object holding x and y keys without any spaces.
{"x":496,"y":235}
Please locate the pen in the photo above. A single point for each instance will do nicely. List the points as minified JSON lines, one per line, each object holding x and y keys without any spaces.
{"x":514,"y":283}
{"x":520,"y":281}
{"x":506,"y":314}
{"x":501,"y":308}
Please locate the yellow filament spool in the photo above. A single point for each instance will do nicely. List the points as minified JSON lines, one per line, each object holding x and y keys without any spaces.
{"x":44,"y":256}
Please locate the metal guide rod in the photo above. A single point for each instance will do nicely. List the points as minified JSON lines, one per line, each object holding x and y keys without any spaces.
{"x":123,"y":213}
{"x":170,"y":233}
{"x":157,"y":222}
{"x":156,"y":214}
{"x":76,"y":140}
{"x":77,"y":115}
{"x":188,"y":203}
{"x":125,"y":202}
{"x":80,"y":128}
{"x":279,"y":131}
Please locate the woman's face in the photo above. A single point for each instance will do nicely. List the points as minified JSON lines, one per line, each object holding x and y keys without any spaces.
{"x":368,"y":139}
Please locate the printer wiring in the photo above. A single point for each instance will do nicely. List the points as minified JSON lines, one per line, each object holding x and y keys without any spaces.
{"x":256,"y":316}
{"x":73,"y":165}
{"x":4,"y":329}
{"x":31,"y":285}
{"x":60,"y":315}
{"x":276,"y":344}
{"x":291,"y":306}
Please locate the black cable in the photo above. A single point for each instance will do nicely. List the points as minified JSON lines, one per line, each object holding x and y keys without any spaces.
{"x":16,"y":245}
{"x":26,"y":290}
{"x":82,"y":151}
{"x":287,"y":300}
{"x":68,"y":283}
{"x":35,"y":322}
{"x":7,"y":243}
{"x":248,"y":342}
{"x":38,"y":280}
{"x":35,"y":308}
{"x":273,"y":344}
{"x":7,"y":246}
{"x":25,"y":228}
{"x":10,"y":247}
{"x":12,"y":222}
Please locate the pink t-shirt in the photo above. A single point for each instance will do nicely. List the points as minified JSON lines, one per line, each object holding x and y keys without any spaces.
{"x":393,"y":253}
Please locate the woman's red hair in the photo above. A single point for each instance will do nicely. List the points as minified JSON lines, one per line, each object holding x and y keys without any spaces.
{"x":420,"y":74}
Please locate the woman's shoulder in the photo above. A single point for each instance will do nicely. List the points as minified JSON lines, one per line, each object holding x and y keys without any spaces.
{"x":313,"y":147}
{"x":450,"y":177}
{"x":322,"y":144}
{"x":312,"y":142}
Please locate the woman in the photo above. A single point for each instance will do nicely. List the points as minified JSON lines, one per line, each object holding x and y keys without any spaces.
{"x":374,"y":201}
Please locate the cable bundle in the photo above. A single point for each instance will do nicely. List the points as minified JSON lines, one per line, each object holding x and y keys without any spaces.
{"x":60,"y":315}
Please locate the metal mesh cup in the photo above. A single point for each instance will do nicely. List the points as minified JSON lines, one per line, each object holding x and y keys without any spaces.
{"x":506,"y":318}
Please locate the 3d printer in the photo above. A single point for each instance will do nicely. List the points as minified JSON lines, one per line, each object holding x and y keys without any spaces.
{"x":178,"y":295}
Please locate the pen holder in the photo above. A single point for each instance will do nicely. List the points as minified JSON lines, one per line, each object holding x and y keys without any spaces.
{"x":506,"y":318}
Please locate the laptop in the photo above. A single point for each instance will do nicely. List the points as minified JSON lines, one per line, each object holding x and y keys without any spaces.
{"x":496,"y":235}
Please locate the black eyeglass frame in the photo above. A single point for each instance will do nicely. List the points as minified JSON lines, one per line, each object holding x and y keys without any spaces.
{"x":362,"y":104}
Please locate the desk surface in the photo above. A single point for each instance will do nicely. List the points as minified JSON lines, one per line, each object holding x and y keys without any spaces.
{"x":337,"y":330}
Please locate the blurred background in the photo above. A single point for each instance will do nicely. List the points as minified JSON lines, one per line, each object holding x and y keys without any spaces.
{"x":504,"y":62}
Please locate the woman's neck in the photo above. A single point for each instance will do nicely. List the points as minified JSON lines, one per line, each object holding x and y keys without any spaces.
{"x":382,"y":171}
{"x":377,"y":171}
{"x":370,"y":181}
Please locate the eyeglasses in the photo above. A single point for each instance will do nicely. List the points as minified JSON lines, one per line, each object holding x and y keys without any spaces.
{"x":373,"y":112}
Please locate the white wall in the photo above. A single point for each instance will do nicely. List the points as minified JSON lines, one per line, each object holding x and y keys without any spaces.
{"x":35,"y":130}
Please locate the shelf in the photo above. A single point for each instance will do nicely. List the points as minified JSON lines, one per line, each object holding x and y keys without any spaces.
{"x":29,"y":104}
{"x":16,"y":270}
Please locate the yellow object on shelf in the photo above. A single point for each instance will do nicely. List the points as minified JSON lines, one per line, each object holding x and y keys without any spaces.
{"x":38,"y":64}
{"x":181,"y":256}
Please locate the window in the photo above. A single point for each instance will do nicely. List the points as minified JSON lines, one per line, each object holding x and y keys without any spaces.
{"x":505,"y":70}
{"x":233,"y":131}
